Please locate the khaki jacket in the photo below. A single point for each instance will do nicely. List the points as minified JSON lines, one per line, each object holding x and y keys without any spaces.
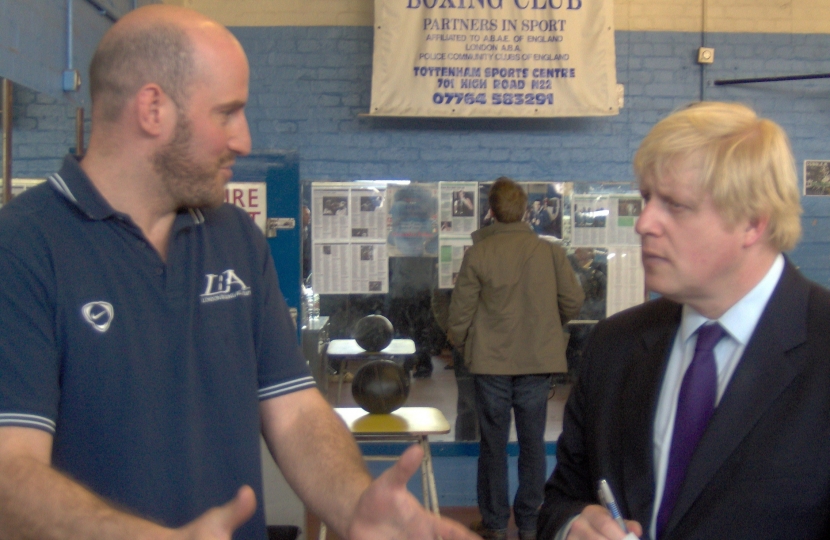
{"x":513,"y":293}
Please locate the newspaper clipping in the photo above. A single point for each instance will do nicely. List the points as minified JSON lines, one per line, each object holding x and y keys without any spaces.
{"x":349,"y":234}
{"x":458,"y":211}
{"x":603,"y":220}
{"x":449,"y":261}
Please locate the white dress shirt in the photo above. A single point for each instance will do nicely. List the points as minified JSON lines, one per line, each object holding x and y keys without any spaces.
{"x":739,"y":322}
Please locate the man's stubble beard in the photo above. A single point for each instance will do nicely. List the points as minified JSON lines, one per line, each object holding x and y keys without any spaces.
{"x":189,"y":183}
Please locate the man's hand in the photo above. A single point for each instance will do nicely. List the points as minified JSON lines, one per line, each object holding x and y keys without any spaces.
{"x":219,"y":523}
{"x":388,"y":511}
{"x":596,"y":523}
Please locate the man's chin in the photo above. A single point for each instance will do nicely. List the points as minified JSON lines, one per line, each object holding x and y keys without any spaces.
{"x":205,"y":200}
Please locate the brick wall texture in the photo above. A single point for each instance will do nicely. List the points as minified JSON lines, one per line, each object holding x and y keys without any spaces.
{"x":310,"y":84}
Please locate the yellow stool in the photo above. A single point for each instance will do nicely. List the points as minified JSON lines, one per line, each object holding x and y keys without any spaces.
{"x":407,"y":424}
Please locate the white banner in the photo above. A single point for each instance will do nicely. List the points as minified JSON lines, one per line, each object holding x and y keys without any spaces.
{"x":494,"y":58}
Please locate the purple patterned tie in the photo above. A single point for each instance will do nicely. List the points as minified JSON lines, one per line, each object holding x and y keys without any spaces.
{"x":695,"y":406}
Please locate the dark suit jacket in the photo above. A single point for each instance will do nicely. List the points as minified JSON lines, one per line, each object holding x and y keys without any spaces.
{"x":762,"y":468}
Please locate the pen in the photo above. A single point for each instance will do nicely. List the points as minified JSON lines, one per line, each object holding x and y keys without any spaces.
{"x":606,"y":497}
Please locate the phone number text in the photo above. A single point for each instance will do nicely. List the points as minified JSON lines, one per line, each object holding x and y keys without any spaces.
{"x":496,"y":98}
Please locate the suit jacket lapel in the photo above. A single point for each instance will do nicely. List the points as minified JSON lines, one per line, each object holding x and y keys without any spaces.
{"x":640,"y":394}
{"x":763,"y":373}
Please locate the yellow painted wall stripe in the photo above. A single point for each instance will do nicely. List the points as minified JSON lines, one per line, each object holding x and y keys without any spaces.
{"x":753,"y":16}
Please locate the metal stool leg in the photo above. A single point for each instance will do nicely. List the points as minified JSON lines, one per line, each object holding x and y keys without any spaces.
{"x":433,"y":491}
{"x":342,"y":369}
{"x":425,"y":477}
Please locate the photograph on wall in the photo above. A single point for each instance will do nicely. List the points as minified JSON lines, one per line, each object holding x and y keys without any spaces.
{"x":485,"y":215}
{"x":544,"y":211}
{"x":816,"y":177}
{"x":544,"y":208}
{"x":412,"y":220}
{"x":335,"y":206}
{"x":628,"y":210}
{"x":368,"y":216}
{"x":462,"y":203}
{"x":457,"y":212}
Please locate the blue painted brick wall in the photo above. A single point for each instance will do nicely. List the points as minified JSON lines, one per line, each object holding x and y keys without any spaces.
{"x":33,"y":38}
{"x":43,"y":131}
{"x":309,"y":84}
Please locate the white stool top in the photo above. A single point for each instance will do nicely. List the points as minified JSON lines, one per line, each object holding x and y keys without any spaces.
{"x":403,"y":421}
{"x":349,"y":347}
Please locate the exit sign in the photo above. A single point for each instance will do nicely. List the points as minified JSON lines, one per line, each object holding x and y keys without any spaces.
{"x":250,"y":196}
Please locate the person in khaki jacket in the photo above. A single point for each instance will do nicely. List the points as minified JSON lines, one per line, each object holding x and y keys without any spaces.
{"x":513,"y":293}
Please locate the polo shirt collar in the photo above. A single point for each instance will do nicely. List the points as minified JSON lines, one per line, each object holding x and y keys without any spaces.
{"x":74,"y":185}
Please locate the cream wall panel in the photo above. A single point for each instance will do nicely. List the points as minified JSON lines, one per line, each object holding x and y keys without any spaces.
{"x":811,"y":16}
{"x":285,"y":12}
{"x":773,"y":16}
{"x":667,"y":15}
{"x":750,"y":16}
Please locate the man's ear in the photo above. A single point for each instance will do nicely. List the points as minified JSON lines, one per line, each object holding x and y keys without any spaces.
{"x":755,"y":230}
{"x":155,"y":111}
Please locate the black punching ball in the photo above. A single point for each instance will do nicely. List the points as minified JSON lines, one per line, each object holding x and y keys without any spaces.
{"x":380,"y":386}
{"x":373,"y":333}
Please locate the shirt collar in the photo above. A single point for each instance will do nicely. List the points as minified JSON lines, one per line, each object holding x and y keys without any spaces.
{"x":74,"y":185}
{"x":740,"y":320}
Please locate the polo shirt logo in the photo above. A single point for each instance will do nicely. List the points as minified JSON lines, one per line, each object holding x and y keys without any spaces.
{"x":99,"y":315}
{"x":224,"y":286}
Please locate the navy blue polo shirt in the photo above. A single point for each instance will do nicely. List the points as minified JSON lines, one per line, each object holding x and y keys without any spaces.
{"x":148,"y":373}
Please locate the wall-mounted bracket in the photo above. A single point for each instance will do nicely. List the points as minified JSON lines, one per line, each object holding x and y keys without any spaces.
{"x":71,"y":80}
{"x":705,"y":55}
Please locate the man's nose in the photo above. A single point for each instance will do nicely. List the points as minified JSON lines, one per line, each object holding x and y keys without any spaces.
{"x":240,"y":140}
{"x":646,"y":223}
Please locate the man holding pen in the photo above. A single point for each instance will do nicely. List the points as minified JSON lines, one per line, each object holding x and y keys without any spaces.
{"x":705,"y":410}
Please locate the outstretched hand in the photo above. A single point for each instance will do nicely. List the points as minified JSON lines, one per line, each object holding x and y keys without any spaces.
{"x":388,"y":511}
{"x":220,"y":523}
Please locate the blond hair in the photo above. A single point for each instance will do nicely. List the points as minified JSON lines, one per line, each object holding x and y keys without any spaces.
{"x":746,"y":164}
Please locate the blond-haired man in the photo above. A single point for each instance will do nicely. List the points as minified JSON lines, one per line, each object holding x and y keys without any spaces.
{"x":706,"y":410}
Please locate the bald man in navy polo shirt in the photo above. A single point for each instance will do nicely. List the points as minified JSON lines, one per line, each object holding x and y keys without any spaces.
{"x":145,"y":341}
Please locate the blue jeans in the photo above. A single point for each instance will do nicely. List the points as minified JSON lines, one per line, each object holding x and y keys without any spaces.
{"x":527,"y":396}
{"x":466,"y":420}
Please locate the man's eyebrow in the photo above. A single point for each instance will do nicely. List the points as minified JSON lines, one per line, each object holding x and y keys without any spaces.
{"x":231,"y":106}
